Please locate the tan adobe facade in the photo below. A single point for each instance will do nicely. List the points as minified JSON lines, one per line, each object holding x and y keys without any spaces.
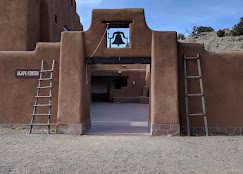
{"x":164,"y":76}
{"x":26,"y":22}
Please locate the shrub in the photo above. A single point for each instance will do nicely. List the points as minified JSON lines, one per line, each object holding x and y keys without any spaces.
{"x":199,"y":29}
{"x":221,"y":33}
{"x":237,"y":30}
{"x":181,"y":36}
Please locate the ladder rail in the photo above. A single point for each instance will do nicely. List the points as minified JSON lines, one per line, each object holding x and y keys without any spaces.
{"x":50,"y":94}
{"x":186,"y":99}
{"x":203,"y":97}
{"x":36,"y":99}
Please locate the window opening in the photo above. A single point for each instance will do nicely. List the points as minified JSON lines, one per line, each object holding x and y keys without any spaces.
{"x":120,"y":82}
{"x":65,"y":28}
{"x":55,"y":18}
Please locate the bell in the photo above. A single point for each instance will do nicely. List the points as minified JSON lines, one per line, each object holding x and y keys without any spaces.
{"x":118,"y":40}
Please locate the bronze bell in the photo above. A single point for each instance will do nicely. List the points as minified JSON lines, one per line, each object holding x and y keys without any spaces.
{"x":118,"y":39}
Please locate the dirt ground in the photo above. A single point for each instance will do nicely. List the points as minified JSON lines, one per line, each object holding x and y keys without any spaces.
{"x":41,"y":153}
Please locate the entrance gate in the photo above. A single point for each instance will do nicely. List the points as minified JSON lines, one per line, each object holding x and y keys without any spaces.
{"x":146,"y":46}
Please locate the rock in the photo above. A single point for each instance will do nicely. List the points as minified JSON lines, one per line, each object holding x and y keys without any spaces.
{"x":216,"y":44}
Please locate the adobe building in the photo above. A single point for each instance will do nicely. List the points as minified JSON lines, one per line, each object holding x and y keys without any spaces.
{"x":149,"y":69}
{"x":26,"y":22}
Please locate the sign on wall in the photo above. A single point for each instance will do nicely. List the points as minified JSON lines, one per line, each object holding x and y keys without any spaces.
{"x":27,"y":73}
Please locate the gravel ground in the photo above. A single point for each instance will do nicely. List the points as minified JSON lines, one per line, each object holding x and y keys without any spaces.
{"x":40,"y":153}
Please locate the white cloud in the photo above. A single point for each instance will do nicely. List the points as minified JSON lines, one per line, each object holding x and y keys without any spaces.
{"x":89,"y":2}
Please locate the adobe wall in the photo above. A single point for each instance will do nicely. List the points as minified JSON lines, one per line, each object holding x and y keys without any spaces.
{"x":13,"y":22}
{"x":136,"y":80}
{"x":73,"y":97}
{"x":17,"y":94}
{"x":164,"y":106}
{"x":27,"y":22}
{"x":223,"y":80}
{"x":66,"y":15}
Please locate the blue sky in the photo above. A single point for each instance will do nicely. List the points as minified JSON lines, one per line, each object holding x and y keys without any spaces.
{"x":172,"y":15}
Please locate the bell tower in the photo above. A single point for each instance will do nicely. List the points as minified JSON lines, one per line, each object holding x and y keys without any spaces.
{"x":128,"y":41}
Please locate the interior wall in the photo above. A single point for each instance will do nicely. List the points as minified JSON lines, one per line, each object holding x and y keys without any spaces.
{"x":136,"y":82}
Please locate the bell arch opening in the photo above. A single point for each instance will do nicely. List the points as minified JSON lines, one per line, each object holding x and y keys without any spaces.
{"x":117,"y":34}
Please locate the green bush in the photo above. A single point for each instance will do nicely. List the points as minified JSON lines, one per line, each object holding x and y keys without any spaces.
{"x":237,"y":30}
{"x":221,"y":33}
{"x":199,"y":29}
{"x":181,"y":36}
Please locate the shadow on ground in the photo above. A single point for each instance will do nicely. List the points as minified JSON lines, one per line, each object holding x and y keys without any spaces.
{"x":119,"y":118}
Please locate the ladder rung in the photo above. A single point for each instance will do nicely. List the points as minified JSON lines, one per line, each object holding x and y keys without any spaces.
{"x":49,"y":96}
{"x":44,"y":87}
{"x":45,"y":79}
{"x":42,"y":105}
{"x":191,"y":58}
{"x":198,"y":114}
{"x":47,"y":70}
{"x":192,"y":95}
{"x":193,"y":77}
{"x":41,"y":114}
{"x":40,"y":124}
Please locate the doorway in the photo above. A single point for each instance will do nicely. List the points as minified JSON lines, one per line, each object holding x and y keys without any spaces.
{"x":102,"y":87}
{"x":120,"y":101}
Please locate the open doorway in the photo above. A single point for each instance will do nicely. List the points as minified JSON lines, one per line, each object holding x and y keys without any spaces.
{"x":102,"y":87}
{"x":120,"y":99}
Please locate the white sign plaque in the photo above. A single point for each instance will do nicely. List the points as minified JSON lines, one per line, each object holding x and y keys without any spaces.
{"x":27,"y":73}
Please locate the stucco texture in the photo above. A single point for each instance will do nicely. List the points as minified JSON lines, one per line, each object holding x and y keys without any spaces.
{"x":222,"y":79}
{"x":26,"y":22}
{"x":18,"y":94}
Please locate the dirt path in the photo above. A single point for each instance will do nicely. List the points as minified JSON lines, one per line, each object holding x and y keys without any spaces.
{"x":23,"y":153}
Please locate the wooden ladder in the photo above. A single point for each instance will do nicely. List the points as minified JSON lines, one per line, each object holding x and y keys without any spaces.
{"x":201,"y":94}
{"x":45,"y":89}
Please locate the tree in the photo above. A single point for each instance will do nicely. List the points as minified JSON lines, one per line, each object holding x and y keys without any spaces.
{"x":181,"y":36}
{"x":221,"y":33}
{"x":237,"y":30}
{"x":199,"y":29}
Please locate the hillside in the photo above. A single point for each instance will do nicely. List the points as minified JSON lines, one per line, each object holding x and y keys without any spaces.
{"x":217,"y":44}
